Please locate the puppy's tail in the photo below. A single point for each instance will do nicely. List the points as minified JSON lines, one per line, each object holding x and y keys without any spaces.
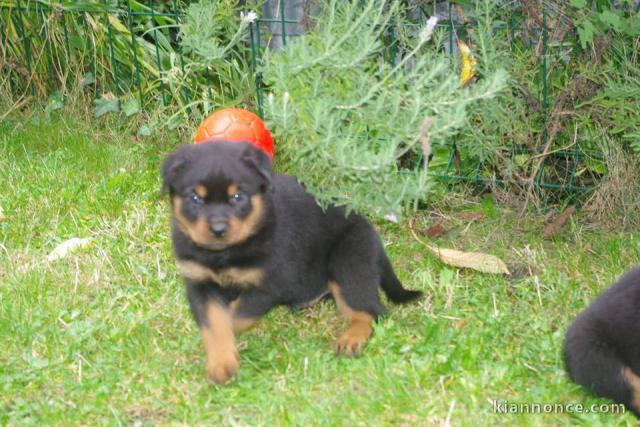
{"x":593,"y":363}
{"x":391,"y":284}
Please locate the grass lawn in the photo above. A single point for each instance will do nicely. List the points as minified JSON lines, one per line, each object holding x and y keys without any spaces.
{"x":104,"y":336}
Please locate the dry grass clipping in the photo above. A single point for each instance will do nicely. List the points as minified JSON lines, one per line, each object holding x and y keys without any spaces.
{"x":615,"y":203}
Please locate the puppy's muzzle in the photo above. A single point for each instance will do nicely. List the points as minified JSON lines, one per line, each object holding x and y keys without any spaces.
{"x":218,"y":228}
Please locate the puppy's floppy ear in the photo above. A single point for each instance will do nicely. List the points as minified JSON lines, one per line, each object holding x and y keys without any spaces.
{"x":173,"y":165}
{"x":258,"y":160}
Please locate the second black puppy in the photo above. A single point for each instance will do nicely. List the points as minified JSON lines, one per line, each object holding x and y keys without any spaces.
{"x":602,"y":346}
{"x":246,"y":241}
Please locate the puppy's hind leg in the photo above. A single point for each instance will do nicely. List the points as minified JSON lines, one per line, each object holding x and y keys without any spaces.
{"x":354,"y":280}
{"x":353,"y":340}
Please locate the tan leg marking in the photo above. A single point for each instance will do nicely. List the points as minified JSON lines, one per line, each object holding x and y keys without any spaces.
{"x":240,"y":324}
{"x":219,"y":344}
{"x":353,"y":340}
{"x":634,"y":383}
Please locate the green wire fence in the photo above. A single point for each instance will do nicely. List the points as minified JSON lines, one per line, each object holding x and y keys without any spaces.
{"x":116,"y":47}
{"x":129,"y":47}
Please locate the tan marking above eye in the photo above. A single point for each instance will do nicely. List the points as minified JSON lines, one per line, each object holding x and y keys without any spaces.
{"x":201,"y":191}
{"x":232,"y":189}
{"x":233,"y":276}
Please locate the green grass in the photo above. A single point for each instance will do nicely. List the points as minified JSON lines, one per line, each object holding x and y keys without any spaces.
{"x":104,"y":336}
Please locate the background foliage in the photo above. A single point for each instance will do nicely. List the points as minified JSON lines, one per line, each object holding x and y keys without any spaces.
{"x":573,"y":77}
{"x":176,"y":60}
{"x":346,"y":117}
{"x":573,"y":74}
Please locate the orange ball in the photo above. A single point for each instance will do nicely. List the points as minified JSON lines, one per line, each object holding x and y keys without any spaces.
{"x":236,"y":125}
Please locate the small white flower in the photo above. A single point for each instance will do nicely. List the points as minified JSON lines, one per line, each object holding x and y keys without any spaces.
{"x":285,"y":97}
{"x":429,"y":28}
{"x":391,"y":217}
{"x":248,"y":18}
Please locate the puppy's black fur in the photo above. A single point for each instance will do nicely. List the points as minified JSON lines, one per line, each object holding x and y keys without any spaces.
{"x":247,"y":240}
{"x":602,"y":345}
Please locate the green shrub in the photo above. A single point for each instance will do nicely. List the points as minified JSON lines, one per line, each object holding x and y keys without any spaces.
{"x":345,"y":118}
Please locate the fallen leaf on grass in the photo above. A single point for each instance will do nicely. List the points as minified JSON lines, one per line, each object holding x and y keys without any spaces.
{"x":460,"y":324}
{"x":484,"y":263}
{"x":435,"y":231}
{"x":558,"y":223}
{"x":478,"y":261}
{"x":64,"y":248}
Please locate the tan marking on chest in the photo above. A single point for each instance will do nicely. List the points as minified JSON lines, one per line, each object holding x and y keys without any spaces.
{"x":233,"y":276}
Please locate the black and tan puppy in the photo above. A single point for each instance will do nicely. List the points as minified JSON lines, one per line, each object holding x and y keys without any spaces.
{"x":602,"y":346}
{"x":246,"y":241}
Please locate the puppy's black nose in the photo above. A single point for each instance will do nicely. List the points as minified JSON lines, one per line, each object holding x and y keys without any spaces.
{"x":219,"y":228}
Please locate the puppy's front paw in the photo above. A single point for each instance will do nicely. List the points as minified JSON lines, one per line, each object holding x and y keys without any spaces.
{"x":222,"y":367}
{"x":350,"y":344}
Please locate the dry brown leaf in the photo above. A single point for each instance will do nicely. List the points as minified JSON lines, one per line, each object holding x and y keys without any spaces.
{"x":461,"y":15}
{"x":558,"y":223}
{"x":478,"y":261}
{"x":460,"y":324}
{"x":435,"y":231}
{"x":470,"y":215}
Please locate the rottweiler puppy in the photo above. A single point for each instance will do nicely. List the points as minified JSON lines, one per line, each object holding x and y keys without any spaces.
{"x":247,"y":240}
{"x":602,"y":345}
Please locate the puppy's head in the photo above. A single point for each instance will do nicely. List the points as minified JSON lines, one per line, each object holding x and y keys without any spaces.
{"x":219,"y":191}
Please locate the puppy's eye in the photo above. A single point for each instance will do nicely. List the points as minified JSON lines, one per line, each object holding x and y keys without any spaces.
{"x":237,"y":198}
{"x":195,"y":199}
